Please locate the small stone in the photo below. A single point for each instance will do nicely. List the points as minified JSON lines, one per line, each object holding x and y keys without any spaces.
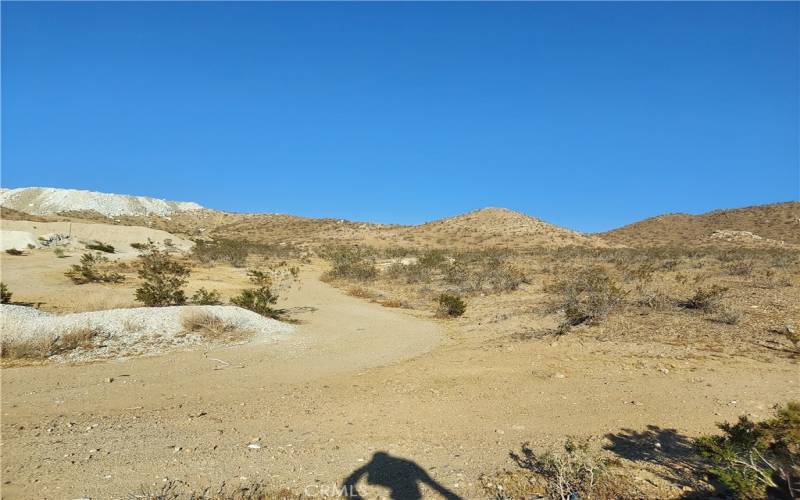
{"x":559,"y":375}
{"x":109,"y":380}
{"x":790,"y":329}
{"x":254,"y":446}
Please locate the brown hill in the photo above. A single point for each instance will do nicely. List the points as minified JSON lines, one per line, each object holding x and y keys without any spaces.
{"x":490,"y":227}
{"x":769,"y":224}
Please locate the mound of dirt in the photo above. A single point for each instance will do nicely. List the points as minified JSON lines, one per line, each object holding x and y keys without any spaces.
{"x":44,"y":201}
{"x":19,"y":240}
{"x":118,"y":333}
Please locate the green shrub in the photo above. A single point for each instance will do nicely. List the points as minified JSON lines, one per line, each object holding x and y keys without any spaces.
{"x":87,"y":272}
{"x":100,"y":247}
{"x":260,"y":299}
{"x":752,"y":457}
{"x":163,"y":277}
{"x":14,"y":251}
{"x":451,"y":305}
{"x":5,"y":294}
{"x":205,"y":297}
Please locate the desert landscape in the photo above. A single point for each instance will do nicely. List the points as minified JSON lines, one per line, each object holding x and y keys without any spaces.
{"x":155,"y":349}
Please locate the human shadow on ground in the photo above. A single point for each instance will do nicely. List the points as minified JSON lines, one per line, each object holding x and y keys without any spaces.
{"x":672,"y":453}
{"x":402,"y":477}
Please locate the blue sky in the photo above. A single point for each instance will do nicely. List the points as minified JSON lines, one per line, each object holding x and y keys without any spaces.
{"x":588,"y":115}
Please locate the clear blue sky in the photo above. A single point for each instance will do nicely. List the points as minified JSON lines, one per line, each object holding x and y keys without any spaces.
{"x":588,"y":115}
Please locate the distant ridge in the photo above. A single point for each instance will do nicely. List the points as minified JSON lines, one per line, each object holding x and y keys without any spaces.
{"x":48,"y":201}
{"x":773,"y":223}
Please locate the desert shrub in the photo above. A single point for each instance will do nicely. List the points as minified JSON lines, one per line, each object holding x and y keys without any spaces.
{"x":728,"y":316}
{"x":205,"y":297}
{"x":706,"y":299}
{"x":450,"y":305}
{"x":360,"y":292}
{"x":210,"y":327}
{"x":751,"y":458}
{"x":59,"y":253}
{"x":571,"y":473}
{"x":654,"y":300}
{"x":231,"y":251}
{"x":236,"y":252}
{"x":740,"y":268}
{"x":353,"y":263}
{"x":87,"y":271}
{"x":13,"y":347}
{"x":5,"y":294}
{"x":100,"y":247}
{"x":260,"y":299}
{"x":178,"y":490}
{"x":588,"y":296}
{"x":139,"y":246}
{"x":163,"y":279}
{"x":14,"y":251}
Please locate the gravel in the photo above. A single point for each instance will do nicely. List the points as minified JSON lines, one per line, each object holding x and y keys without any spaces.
{"x":131,"y":332}
{"x":46,"y":201}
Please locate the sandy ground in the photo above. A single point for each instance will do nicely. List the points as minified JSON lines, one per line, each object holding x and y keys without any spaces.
{"x":119,"y":236}
{"x":354,"y":379}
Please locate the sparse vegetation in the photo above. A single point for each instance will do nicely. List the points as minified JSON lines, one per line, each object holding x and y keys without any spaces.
{"x":573,"y":472}
{"x":31,"y":348}
{"x":212,"y":328}
{"x":163,"y":279}
{"x":588,"y":296}
{"x":260,"y":299}
{"x":59,"y":252}
{"x":5,"y":294}
{"x":751,"y":458}
{"x":706,"y":299}
{"x":355,"y":264}
{"x":88,"y":271}
{"x":205,"y":297}
{"x":100,"y":247}
{"x":450,"y":305}
{"x":15,"y":252}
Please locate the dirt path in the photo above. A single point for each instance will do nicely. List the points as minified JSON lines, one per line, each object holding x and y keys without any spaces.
{"x":356,"y":379}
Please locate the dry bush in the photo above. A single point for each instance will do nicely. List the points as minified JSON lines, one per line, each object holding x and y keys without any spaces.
{"x":352,"y":263}
{"x":708,"y":299}
{"x":211,"y":328}
{"x":740,"y":268}
{"x":12,"y":347}
{"x":587,"y":296}
{"x":236,"y":252}
{"x":727,"y":316}
{"x":574,"y":472}
{"x":360,"y":292}
{"x":178,"y":490}
{"x":15,"y":252}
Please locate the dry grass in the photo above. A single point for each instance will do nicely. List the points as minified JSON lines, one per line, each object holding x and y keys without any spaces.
{"x":211,"y":328}
{"x":13,"y":347}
